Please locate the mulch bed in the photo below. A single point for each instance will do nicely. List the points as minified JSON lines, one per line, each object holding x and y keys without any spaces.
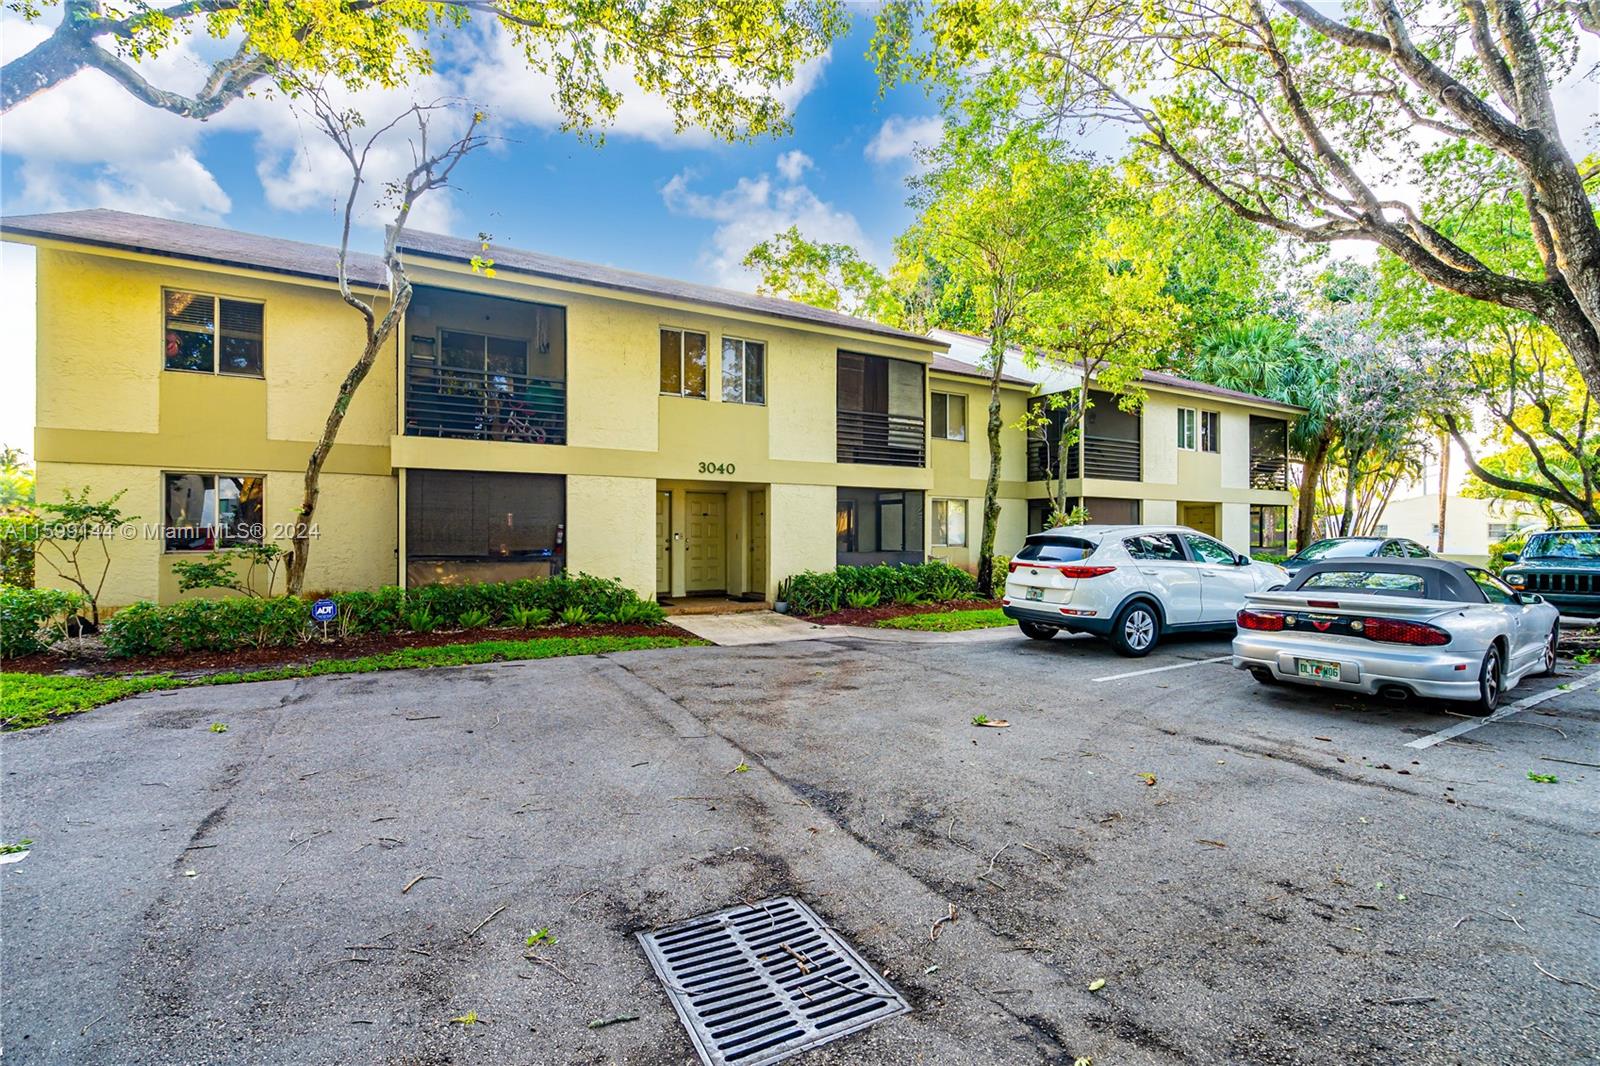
{"x":866,"y":616}
{"x":97,"y":664}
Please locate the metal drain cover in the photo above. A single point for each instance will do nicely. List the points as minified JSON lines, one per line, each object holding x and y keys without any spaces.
{"x":756,"y":984}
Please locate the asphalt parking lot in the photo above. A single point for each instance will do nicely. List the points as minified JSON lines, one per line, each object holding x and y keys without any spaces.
{"x":1256,"y":874}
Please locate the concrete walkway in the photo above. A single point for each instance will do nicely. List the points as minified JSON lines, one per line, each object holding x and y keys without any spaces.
{"x":769,"y":627}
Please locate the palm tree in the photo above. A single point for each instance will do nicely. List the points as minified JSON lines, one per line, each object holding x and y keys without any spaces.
{"x":1268,"y":357}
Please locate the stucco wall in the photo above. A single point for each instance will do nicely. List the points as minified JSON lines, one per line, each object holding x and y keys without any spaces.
{"x":802,"y":522}
{"x":356,"y":527}
{"x":611,"y":529}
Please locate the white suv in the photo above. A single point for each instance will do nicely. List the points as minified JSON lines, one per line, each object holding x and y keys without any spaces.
{"x":1130,"y":584}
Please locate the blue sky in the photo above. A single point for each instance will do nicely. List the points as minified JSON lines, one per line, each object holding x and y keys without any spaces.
{"x":679,"y":205}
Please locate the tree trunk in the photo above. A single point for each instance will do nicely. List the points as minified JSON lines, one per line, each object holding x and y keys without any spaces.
{"x":1071,"y":433}
{"x":1306,"y":507}
{"x":1349,"y":495}
{"x":991,"y":487}
{"x":300,"y":540}
{"x":1444,"y":486}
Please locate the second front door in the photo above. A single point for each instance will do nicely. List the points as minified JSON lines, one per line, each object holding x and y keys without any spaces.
{"x":707,"y":563}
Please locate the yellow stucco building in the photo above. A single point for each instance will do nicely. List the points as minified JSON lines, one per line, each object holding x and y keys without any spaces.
{"x":556,"y":416}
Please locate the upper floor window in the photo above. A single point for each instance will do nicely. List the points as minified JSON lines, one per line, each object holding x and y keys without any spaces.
{"x":744,"y":371}
{"x":212,"y":334}
{"x":1210,"y":431}
{"x":206,"y":511}
{"x":683,"y":363}
{"x":1186,"y":428}
{"x":949,"y":416}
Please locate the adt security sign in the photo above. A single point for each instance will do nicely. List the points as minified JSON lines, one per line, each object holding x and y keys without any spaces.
{"x":324,"y":611}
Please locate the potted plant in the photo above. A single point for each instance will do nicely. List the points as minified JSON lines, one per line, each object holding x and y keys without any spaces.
{"x":781,"y":603}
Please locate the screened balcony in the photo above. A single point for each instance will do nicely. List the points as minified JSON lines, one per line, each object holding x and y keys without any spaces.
{"x":881,"y":414}
{"x":1110,"y":447}
{"x":485,"y":368}
{"x":1269,"y":453}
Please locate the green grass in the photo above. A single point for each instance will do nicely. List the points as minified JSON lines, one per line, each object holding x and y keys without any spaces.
{"x":949,"y":621}
{"x":29,"y":700}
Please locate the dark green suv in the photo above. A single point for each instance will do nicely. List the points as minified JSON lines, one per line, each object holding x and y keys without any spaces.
{"x":1563,"y":566}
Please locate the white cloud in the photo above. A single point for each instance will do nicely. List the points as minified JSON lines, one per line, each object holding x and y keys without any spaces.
{"x":899,"y":137}
{"x":752,"y":210}
{"x":793,"y":164}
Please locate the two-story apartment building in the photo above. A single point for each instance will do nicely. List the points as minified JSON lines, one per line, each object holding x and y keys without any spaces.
{"x":558,"y":415}
{"x":1190,"y":453}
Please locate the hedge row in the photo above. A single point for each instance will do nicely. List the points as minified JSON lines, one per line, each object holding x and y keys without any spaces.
{"x":31,"y":618}
{"x":872,"y":586}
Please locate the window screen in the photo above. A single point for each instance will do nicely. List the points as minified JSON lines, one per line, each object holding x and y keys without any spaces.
{"x":452,"y":514}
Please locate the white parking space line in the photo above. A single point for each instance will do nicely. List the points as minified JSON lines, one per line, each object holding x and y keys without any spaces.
{"x":1159,"y":669}
{"x":1505,"y":712}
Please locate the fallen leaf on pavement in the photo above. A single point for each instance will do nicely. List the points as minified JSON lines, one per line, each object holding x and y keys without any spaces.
{"x":601,"y":1023}
{"x":1213,"y":843}
{"x":1148,"y":778}
{"x":1097,"y":984}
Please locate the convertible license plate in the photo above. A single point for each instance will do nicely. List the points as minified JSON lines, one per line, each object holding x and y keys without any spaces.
{"x":1318,"y":670}
{"x":1035,"y":594}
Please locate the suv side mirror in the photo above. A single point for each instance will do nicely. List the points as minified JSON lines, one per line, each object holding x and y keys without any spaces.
{"x":1511,"y":557}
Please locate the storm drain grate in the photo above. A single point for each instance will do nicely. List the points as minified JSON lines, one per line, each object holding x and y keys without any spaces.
{"x":756,"y":984}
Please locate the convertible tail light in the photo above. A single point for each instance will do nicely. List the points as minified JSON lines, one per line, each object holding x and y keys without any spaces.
{"x":1271,"y":621}
{"x":1391,"y":631}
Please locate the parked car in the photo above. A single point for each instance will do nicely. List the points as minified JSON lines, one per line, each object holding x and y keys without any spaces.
{"x":1563,"y":566}
{"x":1129,"y":584}
{"x":1332,"y":548}
{"x":1398,"y":628}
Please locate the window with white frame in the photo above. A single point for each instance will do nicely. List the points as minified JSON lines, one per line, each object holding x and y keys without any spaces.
{"x":950,"y":523}
{"x":1186,"y":428}
{"x":1210,"y":431}
{"x":212,"y":334}
{"x":744,"y":371}
{"x":206,"y":511}
{"x":1499,"y":531}
{"x":683,"y":363}
{"x":949,"y":416}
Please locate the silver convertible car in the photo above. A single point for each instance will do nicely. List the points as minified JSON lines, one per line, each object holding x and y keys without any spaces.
{"x":1414,"y":627}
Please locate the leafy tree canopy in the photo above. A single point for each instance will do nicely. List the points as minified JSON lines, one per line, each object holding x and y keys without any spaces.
{"x":1313,"y":120}
{"x":718,"y":66}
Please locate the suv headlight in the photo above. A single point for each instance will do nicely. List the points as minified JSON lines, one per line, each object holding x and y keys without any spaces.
{"x":1516,"y":581}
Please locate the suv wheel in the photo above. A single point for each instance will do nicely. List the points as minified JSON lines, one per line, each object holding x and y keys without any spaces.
{"x":1037,"y":630}
{"x":1136,"y":630}
{"x":1490,"y":682}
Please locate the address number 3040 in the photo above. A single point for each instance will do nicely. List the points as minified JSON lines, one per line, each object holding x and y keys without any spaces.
{"x":716,"y":468}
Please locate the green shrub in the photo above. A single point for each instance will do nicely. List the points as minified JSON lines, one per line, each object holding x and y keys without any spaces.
{"x":476,"y":618}
{"x":379,"y":611}
{"x":529,"y":617}
{"x":908,"y":597}
{"x":861,"y":598}
{"x":207,"y":625}
{"x":819,"y":593}
{"x":1500,"y":548}
{"x":18,"y":534}
{"x":1268,"y":557}
{"x":248,"y":622}
{"x":421,"y":620}
{"x":32,"y":619}
{"x":643,"y":612}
